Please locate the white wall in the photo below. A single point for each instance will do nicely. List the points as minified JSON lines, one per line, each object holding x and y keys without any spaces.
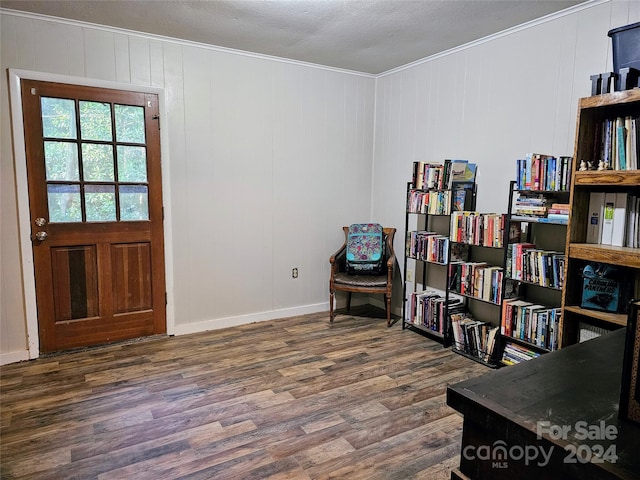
{"x":268,"y":159}
{"x":491,"y":102}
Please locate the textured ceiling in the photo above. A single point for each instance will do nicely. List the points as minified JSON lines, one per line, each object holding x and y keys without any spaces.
{"x":370,"y":36}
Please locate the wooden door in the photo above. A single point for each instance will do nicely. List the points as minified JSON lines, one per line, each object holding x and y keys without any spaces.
{"x":95,"y":194}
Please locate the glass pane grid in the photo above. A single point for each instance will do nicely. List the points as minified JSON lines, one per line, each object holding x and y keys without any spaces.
{"x":99,"y":178}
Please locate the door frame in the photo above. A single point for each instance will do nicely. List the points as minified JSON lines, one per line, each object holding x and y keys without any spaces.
{"x":22,"y":190}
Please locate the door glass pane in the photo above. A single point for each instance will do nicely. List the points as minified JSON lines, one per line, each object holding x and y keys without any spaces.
{"x":134,"y":202}
{"x":132,"y":164}
{"x":58,"y":117}
{"x":64,"y":203}
{"x":95,"y":121}
{"x":129,"y":124}
{"x":100,"y":203}
{"x":97,"y":162}
{"x":61,"y":160}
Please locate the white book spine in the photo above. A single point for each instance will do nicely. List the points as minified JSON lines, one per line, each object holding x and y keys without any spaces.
{"x":594,"y":223}
{"x":619,"y":220}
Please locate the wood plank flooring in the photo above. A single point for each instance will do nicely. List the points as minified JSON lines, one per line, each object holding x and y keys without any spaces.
{"x":296,"y":398}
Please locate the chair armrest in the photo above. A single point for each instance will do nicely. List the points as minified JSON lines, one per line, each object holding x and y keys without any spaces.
{"x":391,"y":257}
{"x":391,"y":261}
{"x":338,"y":260}
{"x":339,"y":253}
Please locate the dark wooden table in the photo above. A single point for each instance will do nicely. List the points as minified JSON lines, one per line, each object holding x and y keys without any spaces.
{"x":530,"y":420}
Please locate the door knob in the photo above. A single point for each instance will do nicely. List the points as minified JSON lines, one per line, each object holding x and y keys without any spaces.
{"x":41,"y":222}
{"x":41,"y":236}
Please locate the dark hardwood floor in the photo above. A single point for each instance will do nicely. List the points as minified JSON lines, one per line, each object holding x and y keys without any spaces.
{"x":297,"y":398}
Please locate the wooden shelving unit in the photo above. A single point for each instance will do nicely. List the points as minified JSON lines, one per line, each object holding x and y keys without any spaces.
{"x":591,"y":112}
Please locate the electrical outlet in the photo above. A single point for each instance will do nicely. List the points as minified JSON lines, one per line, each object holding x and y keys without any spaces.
{"x":409,"y":275}
{"x":294,"y":273}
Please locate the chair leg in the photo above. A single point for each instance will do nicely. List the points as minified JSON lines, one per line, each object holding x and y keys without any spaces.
{"x":388,"y":309}
{"x":331,"y":306}
{"x":349,"y":302}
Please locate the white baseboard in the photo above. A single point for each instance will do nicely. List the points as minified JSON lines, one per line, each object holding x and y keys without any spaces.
{"x":218,"y":323}
{"x":14,"y":357}
{"x":215,"y":324}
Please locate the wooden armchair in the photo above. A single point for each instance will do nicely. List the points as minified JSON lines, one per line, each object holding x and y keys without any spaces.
{"x":340,"y":280}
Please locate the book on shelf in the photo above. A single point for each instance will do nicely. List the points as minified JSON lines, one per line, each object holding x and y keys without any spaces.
{"x":481,"y":229}
{"x":492,"y":336}
{"x":558,"y":217}
{"x":613,"y":219}
{"x":607,"y":218}
{"x":509,"y":307}
{"x":436,"y":176}
{"x":543,"y":172}
{"x":514,"y":354}
{"x":615,"y":143}
{"x":477,"y":280}
{"x":517,"y":266}
{"x":474,"y":337}
{"x":595,"y":217}
{"x":619,"y":221}
{"x":432,"y":202}
{"x":428,"y":246}
{"x":631,"y":236}
{"x":536,"y":266}
{"x":462,"y":196}
{"x":427,"y":175}
{"x":421,"y":309}
{"x":560,"y":208}
{"x":524,"y":321}
{"x":428,"y":309}
{"x":463,"y":171}
{"x":621,"y":143}
{"x":533,"y":323}
{"x":559,"y":212}
{"x":492,"y":285}
{"x":536,"y":205}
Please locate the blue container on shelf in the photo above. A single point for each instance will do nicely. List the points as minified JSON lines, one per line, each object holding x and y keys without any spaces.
{"x":625,"y":42}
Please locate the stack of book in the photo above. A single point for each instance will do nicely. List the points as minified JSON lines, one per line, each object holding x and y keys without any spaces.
{"x":473,"y":337}
{"x":531,"y":205}
{"x":613,"y":219}
{"x":514,"y":354}
{"x":559,"y":212}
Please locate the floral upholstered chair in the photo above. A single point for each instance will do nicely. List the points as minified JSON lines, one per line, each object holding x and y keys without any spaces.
{"x":342,"y":280}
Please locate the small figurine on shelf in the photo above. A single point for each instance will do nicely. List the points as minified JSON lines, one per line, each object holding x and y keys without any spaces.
{"x":583,"y":166}
{"x":590,"y":166}
{"x":602,"y":165}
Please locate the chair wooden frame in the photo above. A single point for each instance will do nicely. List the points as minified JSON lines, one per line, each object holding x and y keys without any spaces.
{"x":341,"y":281}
